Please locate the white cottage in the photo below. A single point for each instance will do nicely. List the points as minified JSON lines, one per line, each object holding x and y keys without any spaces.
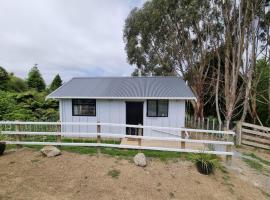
{"x":150,"y":101}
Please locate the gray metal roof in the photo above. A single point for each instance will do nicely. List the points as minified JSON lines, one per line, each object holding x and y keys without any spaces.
{"x":124,"y":88}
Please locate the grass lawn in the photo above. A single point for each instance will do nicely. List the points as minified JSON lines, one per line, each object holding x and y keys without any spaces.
{"x":123,"y":153}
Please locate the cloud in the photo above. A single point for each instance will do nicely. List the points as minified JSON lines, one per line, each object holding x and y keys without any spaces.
{"x":69,"y":37}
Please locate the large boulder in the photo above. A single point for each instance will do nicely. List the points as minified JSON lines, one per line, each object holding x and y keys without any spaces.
{"x":50,"y":151}
{"x":140,"y":160}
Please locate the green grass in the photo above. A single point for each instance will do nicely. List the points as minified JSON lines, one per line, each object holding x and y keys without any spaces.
{"x":148,"y":153}
{"x":80,"y":150}
{"x":89,"y":140}
{"x":122,"y":153}
{"x":114,"y":173}
{"x":252,"y":155}
{"x":253,"y":164}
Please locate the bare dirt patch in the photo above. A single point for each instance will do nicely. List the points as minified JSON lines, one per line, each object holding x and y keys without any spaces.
{"x":25,"y":174}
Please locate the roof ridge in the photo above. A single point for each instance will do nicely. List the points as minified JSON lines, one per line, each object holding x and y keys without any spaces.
{"x":93,"y":77}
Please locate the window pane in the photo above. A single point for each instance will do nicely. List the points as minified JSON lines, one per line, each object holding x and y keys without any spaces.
{"x":84,"y":107}
{"x":76,"y":110}
{"x":152,"y":108}
{"x":162,"y":108}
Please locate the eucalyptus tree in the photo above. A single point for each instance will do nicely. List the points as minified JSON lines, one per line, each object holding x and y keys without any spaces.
{"x":173,"y":38}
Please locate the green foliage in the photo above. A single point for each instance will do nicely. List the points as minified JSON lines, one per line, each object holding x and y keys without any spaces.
{"x":17,"y":102}
{"x":35,"y":79}
{"x":27,"y":106}
{"x":56,"y":83}
{"x":7,"y":104}
{"x":262,"y":77}
{"x":3,"y":78}
{"x":158,"y":39}
{"x":16,"y":84}
{"x":253,"y":155}
{"x":253,"y":164}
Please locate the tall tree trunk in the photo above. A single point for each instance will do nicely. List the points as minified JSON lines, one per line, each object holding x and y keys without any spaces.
{"x":217,"y":91}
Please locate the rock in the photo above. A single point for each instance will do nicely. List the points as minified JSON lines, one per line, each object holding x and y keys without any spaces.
{"x":140,"y":160}
{"x":50,"y":151}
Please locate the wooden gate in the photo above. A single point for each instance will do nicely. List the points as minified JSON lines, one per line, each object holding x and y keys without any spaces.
{"x":253,"y":135}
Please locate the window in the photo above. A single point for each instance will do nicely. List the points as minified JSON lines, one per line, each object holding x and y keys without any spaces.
{"x":83,"y":107}
{"x":157,"y":108}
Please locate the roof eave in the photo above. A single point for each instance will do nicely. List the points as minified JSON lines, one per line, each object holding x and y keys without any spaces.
{"x":81,"y":97}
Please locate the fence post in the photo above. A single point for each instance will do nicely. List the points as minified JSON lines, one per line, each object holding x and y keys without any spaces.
{"x":18,"y":136}
{"x":58,"y":137}
{"x":238,"y":133}
{"x":98,"y":137}
{"x":207,"y":123}
{"x":214,"y":126}
{"x":183,"y":143}
{"x":228,"y":157}
{"x":140,"y":139}
{"x":228,"y":149}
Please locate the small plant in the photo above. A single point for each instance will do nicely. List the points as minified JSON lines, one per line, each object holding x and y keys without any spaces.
{"x":2,"y":147}
{"x":205,"y":163}
{"x":114,"y":173}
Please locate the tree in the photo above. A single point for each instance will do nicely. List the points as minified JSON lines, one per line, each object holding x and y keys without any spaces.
{"x":16,"y":84}
{"x":35,"y":79}
{"x":56,"y":83}
{"x":3,"y":78}
{"x":259,"y":93}
{"x":173,"y":38}
{"x":239,"y":20}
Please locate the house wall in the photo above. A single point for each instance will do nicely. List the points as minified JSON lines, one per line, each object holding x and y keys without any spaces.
{"x":114,"y":111}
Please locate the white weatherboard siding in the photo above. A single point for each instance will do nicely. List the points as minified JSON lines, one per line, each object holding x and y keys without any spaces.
{"x":114,"y":111}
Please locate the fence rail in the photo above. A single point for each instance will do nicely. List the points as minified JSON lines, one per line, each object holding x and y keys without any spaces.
{"x":52,"y":133}
{"x":253,"y":135}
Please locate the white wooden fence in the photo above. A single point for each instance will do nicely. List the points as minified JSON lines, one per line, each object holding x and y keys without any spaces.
{"x":50,"y":133}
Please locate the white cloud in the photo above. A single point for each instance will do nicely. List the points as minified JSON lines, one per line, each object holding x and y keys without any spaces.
{"x":70,"y":37}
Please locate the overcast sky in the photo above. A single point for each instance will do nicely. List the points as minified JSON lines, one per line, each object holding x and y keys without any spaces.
{"x":69,"y":37}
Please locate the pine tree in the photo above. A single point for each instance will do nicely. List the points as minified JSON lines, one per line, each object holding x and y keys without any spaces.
{"x":35,"y":79}
{"x":56,"y":83}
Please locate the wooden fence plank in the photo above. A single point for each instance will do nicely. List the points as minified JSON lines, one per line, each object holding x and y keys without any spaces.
{"x":256,"y":126}
{"x":254,"y":144}
{"x":256,"y":139}
{"x":255,"y":132}
{"x":121,"y":146}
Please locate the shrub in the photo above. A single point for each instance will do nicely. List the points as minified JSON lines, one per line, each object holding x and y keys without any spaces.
{"x":206,"y":163}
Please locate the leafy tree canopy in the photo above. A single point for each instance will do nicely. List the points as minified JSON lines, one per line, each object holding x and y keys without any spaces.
{"x":16,"y":84}
{"x":163,"y":37}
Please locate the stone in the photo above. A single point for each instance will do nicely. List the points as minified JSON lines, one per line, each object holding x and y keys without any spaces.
{"x":140,"y":160}
{"x":50,"y":151}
